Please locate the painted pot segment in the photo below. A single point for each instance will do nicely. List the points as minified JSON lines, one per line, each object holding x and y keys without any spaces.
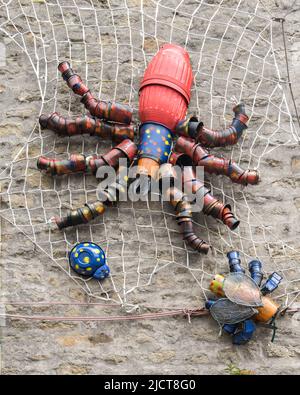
{"x":155,"y":142}
{"x":166,"y":87}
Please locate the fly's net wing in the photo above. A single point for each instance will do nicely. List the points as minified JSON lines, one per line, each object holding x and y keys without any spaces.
{"x":226,"y":312}
{"x":241,"y":289}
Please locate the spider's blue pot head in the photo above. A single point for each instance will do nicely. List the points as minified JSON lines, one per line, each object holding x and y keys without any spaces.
{"x":88,"y":259}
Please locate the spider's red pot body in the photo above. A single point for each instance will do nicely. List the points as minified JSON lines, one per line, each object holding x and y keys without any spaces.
{"x":166,"y":87}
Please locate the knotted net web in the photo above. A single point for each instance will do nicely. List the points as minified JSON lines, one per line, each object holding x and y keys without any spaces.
{"x":109,"y":43}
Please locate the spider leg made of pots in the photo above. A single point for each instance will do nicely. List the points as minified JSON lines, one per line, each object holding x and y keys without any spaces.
{"x":215,"y":165}
{"x":64,"y":126}
{"x":90,"y":211}
{"x":211,"y":205}
{"x":108,"y":120}
{"x":229,"y":136}
{"x":90,"y":164}
{"x":180,"y":201}
{"x":196,"y":130}
{"x":79,"y":163}
{"x":110,"y":111}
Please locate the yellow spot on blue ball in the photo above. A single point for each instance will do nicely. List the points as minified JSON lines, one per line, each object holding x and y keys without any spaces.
{"x":86,"y":244}
{"x":88,"y":269}
{"x":166,"y":154}
{"x":76,"y":255}
{"x":102,"y":256}
{"x":76,"y":266}
{"x":98,"y":259}
{"x":86,"y":259}
{"x":147,"y":131}
{"x":97,"y":251}
{"x":157,"y":131}
{"x":167,"y":143}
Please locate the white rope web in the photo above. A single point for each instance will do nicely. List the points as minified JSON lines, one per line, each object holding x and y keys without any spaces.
{"x":109,"y":43}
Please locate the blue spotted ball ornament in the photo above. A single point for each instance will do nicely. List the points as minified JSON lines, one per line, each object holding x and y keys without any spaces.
{"x":88,"y":259}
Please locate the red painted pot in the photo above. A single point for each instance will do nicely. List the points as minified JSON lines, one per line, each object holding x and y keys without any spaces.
{"x":166,"y":87}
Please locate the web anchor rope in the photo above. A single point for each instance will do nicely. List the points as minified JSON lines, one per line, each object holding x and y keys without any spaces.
{"x":282,"y":20}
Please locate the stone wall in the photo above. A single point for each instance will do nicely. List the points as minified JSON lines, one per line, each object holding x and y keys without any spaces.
{"x":166,"y":346}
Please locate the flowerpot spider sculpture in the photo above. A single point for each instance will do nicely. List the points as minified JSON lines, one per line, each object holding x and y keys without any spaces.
{"x":163,"y":103}
{"x":243,"y":300}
